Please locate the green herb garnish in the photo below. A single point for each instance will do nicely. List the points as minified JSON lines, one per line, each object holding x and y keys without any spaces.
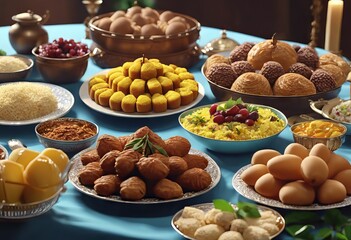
{"x":2,"y":53}
{"x":242,"y":210}
{"x":145,"y":146}
{"x":197,"y":120}
{"x":332,"y":225}
{"x":229,"y":104}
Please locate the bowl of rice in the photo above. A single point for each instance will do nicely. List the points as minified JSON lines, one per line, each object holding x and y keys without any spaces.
{"x":15,"y":68}
{"x":336,"y":109}
{"x":233,"y":136}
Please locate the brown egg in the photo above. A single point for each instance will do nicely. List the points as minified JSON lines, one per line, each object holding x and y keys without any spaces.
{"x":167,"y":15}
{"x":269,"y":186}
{"x":297,"y":193}
{"x":314,"y":170}
{"x":262,"y":156}
{"x":151,"y":29}
{"x":345,"y":178}
{"x":133,"y":10}
{"x":117,"y":14}
{"x":139,"y":20}
{"x":331,"y":191}
{"x":285,"y":167}
{"x":322,"y":151}
{"x":297,"y":149}
{"x":122,"y":25}
{"x":336,"y":164}
{"x":175,"y":28}
{"x":104,"y":23}
{"x":254,"y":172}
{"x":151,"y":13}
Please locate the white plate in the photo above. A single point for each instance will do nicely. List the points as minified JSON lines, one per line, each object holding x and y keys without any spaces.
{"x":65,"y":101}
{"x":212,"y":168}
{"x":208,"y":206}
{"x":247,"y":191}
{"x":84,"y":95}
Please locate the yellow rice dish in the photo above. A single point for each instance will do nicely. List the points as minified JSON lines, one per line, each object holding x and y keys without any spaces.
{"x":201,"y":123}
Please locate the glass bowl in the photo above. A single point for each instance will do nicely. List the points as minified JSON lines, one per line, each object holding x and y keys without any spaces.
{"x":332,"y":142}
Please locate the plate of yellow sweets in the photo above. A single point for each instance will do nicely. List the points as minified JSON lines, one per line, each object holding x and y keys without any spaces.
{"x":142,"y":88}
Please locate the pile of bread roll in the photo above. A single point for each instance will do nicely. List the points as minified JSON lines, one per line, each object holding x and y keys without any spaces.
{"x":275,"y":67}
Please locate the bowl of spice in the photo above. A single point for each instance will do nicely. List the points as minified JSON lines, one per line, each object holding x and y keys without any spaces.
{"x":71,"y":135}
{"x":15,"y":67}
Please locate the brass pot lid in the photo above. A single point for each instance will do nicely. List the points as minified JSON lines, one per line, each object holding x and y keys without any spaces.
{"x":27,"y":17}
{"x":220,"y":45}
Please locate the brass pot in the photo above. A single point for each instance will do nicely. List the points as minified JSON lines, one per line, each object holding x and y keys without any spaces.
{"x":135,"y":44}
{"x":28,"y":32}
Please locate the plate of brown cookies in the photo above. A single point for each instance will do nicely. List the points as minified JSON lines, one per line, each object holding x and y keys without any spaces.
{"x":143,"y":184}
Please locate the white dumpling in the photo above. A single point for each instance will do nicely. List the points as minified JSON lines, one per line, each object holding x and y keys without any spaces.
{"x":224,"y":219}
{"x":191,"y":212}
{"x":231,"y":235}
{"x":255,"y":233}
{"x":188,"y":226}
{"x":208,"y":232}
{"x":238,"y":225}
{"x":210,"y":215}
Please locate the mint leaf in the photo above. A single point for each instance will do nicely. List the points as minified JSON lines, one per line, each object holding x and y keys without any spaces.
{"x":230,"y":103}
{"x":347,"y":231}
{"x":301,"y":217}
{"x":323,"y":233}
{"x":2,"y":53}
{"x":334,"y":217}
{"x":223,"y":205}
{"x":247,"y":210}
{"x":300,"y":231}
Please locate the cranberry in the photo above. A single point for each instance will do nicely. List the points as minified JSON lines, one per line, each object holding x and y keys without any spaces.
{"x":244,"y":112}
{"x":213,"y":108}
{"x":249,"y":122}
{"x":239,"y":118}
{"x":219,"y":119}
{"x":232,"y":111}
{"x":253,"y":115}
{"x":229,"y":119}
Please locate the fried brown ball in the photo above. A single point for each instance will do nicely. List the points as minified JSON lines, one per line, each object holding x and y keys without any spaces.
{"x":134,"y":188}
{"x":107,"y":162}
{"x":107,"y":143}
{"x":153,"y":137}
{"x":107,"y":185}
{"x":152,"y":169}
{"x":90,"y":156}
{"x":167,"y":189}
{"x":126,"y":163}
{"x":195,"y":161}
{"x":89,"y":173}
{"x":177,"y":146}
{"x":124,"y":140}
{"x":177,"y":166}
{"x":161,"y":157}
{"x":195,"y":179}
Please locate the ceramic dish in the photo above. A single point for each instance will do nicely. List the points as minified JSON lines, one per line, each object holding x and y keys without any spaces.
{"x":233,"y":146}
{"x":84,"y":96}
{"x":18,"y":75}
{"x":245,"y":190}
{"x":65,"y":101}
{"x":325,"y":107}
{"x":212,"y":168}
{"x":208,"y":206}
{"x":289,"y":105}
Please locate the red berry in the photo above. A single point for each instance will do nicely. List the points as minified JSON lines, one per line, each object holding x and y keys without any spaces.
{"x":239,"y":118}
{"x":219,"y":119}
{"x":229,"y":119}
{"x":244,"y":112}
{"x":213,"y":108}
{"x":233,"y":110}
{"x":249,"y":122}
{"x":253,"y":115}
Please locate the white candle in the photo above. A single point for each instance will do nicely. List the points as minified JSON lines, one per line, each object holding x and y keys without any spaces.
{"x":333,"y":25}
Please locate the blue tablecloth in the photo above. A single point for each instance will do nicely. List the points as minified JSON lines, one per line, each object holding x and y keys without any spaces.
{"x":78,"y":216}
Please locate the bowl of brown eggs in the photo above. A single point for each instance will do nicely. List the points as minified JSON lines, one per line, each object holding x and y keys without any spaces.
{"x":138,"y":30}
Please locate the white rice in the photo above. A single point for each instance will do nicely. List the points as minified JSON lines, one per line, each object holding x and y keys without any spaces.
{"x":11,"y":64}
{"x":25,"y":101}
{"x":342,"y":112}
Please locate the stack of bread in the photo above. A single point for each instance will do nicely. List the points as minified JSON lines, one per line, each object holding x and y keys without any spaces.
{"x":144,"y":85}
{"x":275,"y":67}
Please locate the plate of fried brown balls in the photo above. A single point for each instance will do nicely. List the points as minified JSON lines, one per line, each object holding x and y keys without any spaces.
{"x":142,"y":168}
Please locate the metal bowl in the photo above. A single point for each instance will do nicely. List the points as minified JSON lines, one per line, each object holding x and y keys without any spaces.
{"x":138,"y":44}
{"x":332,"y":143}
{"x":234,"y":146}
{"x":289,"y":105}
{"x":70,"y":147}
{"x":61,"y":70}
{"x":17,"y":75}
{"x":325,"y":107}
